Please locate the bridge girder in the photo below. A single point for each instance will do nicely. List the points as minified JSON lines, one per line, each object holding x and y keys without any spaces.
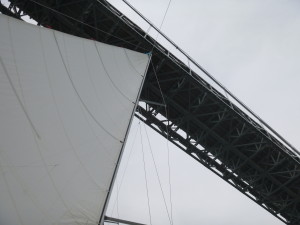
{"x":199,"y":120}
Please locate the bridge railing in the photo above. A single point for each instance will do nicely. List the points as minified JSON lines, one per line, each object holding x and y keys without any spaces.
{"x":211,"y":83}
{"x":207,"y":81}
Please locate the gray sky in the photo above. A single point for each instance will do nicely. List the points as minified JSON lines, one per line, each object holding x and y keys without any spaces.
{"x":252,"y":48}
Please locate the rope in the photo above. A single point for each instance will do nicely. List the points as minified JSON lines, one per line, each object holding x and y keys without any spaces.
{"x":286,"y":143}
{"x":126,"y":166}
{"x":157,"y":174}
{"x":145,"y":174}
{"x":211,"y":77}
{"x":161,"y":24}
{"x":163,"y":20}
{"x":165,"y":105}
{"x":167,"y":128}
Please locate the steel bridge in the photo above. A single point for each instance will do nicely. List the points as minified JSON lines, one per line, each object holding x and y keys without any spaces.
{"x":198,"y":115}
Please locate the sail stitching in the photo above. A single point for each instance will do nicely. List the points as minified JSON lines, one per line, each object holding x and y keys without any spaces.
{"x":19,"y":100}
{"x":108,"y":76}
{"x":92,"y":81}
{"x":130,"y":62}
{"x":78,"y":95}
{"x":11,"y":195}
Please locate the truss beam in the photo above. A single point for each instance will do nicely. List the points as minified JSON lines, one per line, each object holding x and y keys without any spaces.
{"x":186,"y":109}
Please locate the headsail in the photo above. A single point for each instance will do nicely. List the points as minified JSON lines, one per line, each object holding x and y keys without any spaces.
{"x":65,"y":106}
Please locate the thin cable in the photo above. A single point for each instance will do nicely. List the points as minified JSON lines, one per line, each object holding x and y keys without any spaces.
{"x":163,"y":20}
{"x":88,"y":25}
{"x":245,"y":108}
{"x":78,"y":95}
{"x":118,"y":215}
{"x":169,"y":167}
{"x":168,"y":149}
{"x":126,"y":166}
{"x":161,"y":24}
{"x":145,"y":174}
{"x":157,"y":174}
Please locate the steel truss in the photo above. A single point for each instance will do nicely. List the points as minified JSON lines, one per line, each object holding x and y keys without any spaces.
{"x":199,"y":119}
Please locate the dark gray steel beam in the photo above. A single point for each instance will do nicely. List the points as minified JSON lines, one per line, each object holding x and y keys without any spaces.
{"x":115,"y":220}
{"x":233,"y":145}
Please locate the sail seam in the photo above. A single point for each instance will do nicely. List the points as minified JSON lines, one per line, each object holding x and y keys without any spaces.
{"x":130,"y":62}
{"x":72,"y":147}
{"x":19,"y":100}
{"x":78,"y":95}
{"x":94,"y":86}
{"x":108,"y":76}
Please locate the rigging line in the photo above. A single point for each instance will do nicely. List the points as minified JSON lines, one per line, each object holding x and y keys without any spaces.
{"x":145,"y":173}
{"x":161,"y":24}
{"x":168,"y":149}
{"x":88,"y":25}
{"x":245,"y":108}
{"x":118,"y":215}
{"x":19,"y":100}
{"x":126,"y":166}
{"x":157,"y":174}
{"x":163,"y":20}
{"x":78,"y":95}
{"x":107,"y":74}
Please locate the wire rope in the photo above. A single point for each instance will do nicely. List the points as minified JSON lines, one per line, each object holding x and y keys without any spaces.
{"x":126,"y":166}
{"x":165,"y":106}
{"x":161,"y":24}
{"x":169,"y":167}
{"x":163,"y":20}
{"x":157,"y":174}
{"x":145,"y":173}
{"x":286,"y":143}
{"x":213,"y":79}
{"x":168,"y":149}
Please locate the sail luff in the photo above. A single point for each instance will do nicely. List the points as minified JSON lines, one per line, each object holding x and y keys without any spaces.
{"x":101,"y":221}
{"x":63,"y":122}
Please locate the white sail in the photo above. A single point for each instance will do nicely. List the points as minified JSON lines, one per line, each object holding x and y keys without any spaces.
{"x":65,"y":106}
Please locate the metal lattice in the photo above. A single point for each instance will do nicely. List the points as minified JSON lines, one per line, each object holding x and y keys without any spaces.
{"x":200,"y":120}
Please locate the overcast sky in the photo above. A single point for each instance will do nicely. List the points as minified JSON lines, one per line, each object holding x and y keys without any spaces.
{"x":253,"y":48}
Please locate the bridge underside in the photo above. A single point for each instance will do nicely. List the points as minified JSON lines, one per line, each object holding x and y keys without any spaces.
{"x":197,"y":118}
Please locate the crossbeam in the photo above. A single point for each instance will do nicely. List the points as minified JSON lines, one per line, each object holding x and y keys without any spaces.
{"x":213,"y":129}
{"x":117,"y":221}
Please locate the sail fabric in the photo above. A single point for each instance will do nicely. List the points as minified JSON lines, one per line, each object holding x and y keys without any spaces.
{"x":65,"y":106}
